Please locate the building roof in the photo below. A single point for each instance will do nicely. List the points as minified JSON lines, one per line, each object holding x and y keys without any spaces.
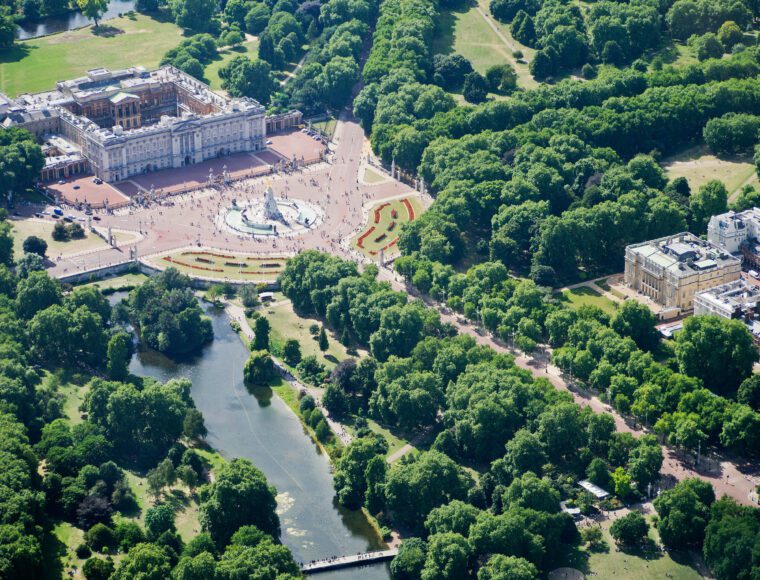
{"x":593,"y":489}
{"x":683,"y":254}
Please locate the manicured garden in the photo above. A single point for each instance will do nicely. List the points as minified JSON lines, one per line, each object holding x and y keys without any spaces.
{"x":36,"y":65}
{"x":219,"y":265}
{"x":385,"y":220}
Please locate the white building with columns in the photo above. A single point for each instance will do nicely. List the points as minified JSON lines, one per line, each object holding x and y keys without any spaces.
{"x":134,"y":121}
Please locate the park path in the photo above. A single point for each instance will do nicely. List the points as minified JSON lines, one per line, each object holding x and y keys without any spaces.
{"x":725,"y":476}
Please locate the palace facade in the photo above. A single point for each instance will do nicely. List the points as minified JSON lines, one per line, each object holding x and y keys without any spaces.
{"x":117,"y":124}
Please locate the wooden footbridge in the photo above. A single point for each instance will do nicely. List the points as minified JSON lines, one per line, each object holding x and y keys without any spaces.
{"x":317,"y":566}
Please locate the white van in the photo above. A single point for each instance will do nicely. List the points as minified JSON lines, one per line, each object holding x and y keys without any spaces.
{"x":754,"y":274}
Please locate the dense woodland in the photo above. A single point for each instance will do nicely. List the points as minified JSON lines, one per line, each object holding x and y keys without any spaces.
{"x":527,"y":442}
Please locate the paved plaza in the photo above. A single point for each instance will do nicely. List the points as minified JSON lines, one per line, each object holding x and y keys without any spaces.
{"x":84,"y":190}
{"x":191,"y":219}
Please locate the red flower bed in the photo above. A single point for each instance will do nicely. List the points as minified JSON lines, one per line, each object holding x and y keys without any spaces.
{"x":381,"y":237}
{"x":204,"y":260}
{"x":378,"y":210}
{"x":391,"y":226}
{"x":409,"y":208}
{"x":360,"y":241}
{"x":193,"y":266}
{"x":236,"y":264}
{"x":394,"y":214}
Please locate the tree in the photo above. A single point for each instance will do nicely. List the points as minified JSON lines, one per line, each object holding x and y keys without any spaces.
{"x":447,"y":557}
{"x":199,"y":567}
{"x":260,"y":334}
{"x":322,"y":340}
{"x":249,"y":296}
{"x":93,"y":9}
{"x":730,"y":548}
{"x":408,"y":563}
{"x":291,"y":351}
{"x":684,"y":512}
{"x":718,"y":351}
{"x":239,"y":496}
{"x":245,"y":77}
{"x":35,"y":245}
{"x":36,"y":292}
{"x":730,"y":35}
{"x":456,"y":516}
{"x":475,"y":89}
{"x":253,"y":561}
{"x":193,"y":426}
{"x":415,"y":488}
{"x":707,"y":46}
{"x":630,"y":530}
{"x":159,"y":519}
{"x":100,"y":536}
{"x":193,"y":14}
{"x":501,"y":78}
{"x":257,"y":18}
{"x":741,"y":430}
{"x":749,"y":392}
{"x":8,"y":27}
{"x":501,"y":567}
{"x":710,"y":200}
{"x":637,"y":321}
{"x":144,"y":561}
{"x":622,"y":482}
{"x":598,"y":473}
{"x":259,"y":369}
{"x":119,"y":354}
{"x":98,"y":569}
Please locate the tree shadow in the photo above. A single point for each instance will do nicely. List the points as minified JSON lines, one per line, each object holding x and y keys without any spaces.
{"x":53,"y":551}
{"x":16,"y":53}
{"x":263,"y":395}
{"x":106,"y":31}
{"x":331,"y":358}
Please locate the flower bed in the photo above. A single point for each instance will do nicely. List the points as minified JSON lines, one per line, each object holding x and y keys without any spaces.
{"x":380,"y":238}
{"x":360,"y":241}
{"x":409,"y":208}
{"x":391,"y":226}
{"x":192,"y":266}
{"x":271,"y":265}
{"x":204,"y":260}
{"x":378,"y":210}
{"x":394,"y":214}
{"x":236,"y":264}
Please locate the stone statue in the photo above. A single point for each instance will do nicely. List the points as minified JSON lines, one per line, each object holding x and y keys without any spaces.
{"x":271,"y":211}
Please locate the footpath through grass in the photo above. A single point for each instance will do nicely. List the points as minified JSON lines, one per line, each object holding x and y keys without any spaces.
{"x":35,"y":65}
{"x":584,"y":296}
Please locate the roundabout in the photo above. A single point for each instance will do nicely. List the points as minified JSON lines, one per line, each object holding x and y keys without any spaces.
{"x":270,"y":216}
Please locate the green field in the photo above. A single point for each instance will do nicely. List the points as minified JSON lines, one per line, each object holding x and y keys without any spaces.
{"x":371,"y":176}
{"x":22,"y":229}
{"x":466,"y":31}
{"x":123,"y":282}
{"x":285,"y":324}
{"x":327,"y":126}
{"x":699,"y":166}
{"x":583,"y":296}
{"x":194,"y":264}
{"x":36,"y":65}
{"x":614,"y":565}
{"x":367,"y":241}
{"x":249,"y":49}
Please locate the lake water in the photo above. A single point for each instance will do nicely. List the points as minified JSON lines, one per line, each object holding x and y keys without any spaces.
{"x":263,"y":429}
{"x":69,"y":21}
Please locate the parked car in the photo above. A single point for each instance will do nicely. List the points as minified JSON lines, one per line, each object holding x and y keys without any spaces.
{"x":754,"y":274}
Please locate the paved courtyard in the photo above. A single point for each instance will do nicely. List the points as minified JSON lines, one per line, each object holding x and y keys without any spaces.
{"x":85,"y":190}
{"x":191,"y":219}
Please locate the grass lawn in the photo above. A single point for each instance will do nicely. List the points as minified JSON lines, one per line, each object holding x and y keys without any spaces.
{"x":582,"y":296}
{"x":24,"y":228}
{"x":377,"y":234}
{"x":36,"y":65}
{"x":74,"y":395}
{"x":615,"y":565}
{"x":223,"y":265}
{"x":327,"y":126}
{"x":524,"y":78}
{"x":249,"y":49}
{"x":394,"y":442}
{"x":285,"y":324}
{"x":699,"y":166}
{"x":371,"y":176}
{"x":124,"y":282}
{"x":61,"y":546}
